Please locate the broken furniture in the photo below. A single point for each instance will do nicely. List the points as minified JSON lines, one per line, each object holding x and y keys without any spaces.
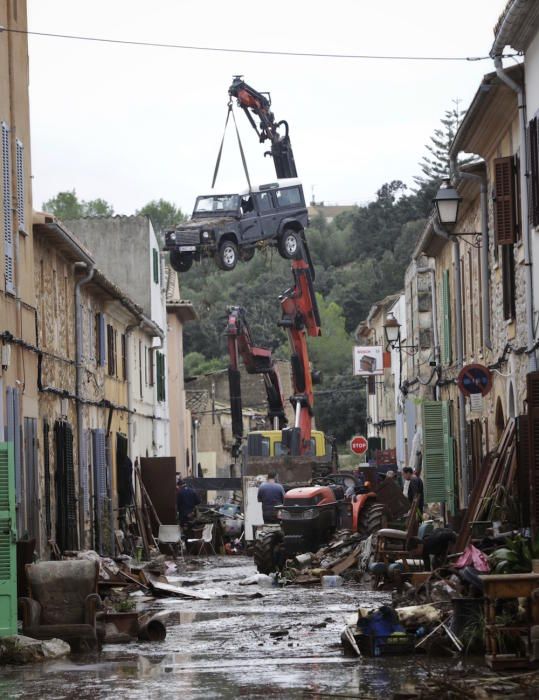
{"x":206,"y":538}
{"x":171,"y":535}
{"x":63,"y":601}
{"x":392,"y":544}
{"x":502,"y":587}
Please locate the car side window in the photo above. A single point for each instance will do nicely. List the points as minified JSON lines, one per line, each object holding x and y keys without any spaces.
{"x":264,"y":201}
{"x":288,"y":197}
{"x":247,"y":204}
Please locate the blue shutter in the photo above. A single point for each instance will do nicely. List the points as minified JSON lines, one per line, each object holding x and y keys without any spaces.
{"x":19,"y":167}
{"x":9,"y":256}
{"x":100,"y":484}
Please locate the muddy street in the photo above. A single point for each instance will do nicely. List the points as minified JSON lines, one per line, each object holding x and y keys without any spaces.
{"x":246,"y":641}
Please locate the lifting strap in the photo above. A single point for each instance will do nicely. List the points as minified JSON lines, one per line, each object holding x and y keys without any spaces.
{"x":220,"y":153}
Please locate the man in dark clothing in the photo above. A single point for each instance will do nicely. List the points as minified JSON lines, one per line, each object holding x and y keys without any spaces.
{"x":415,"y":487}
{"x":270,"y":494}
{"x":186,"y":502}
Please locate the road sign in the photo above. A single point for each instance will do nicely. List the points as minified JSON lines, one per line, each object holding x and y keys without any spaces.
{"x":359,"y":445}
{"x":474,"y":379}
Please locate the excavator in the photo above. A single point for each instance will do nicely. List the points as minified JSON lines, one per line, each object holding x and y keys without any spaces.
{"x":300,"y":455}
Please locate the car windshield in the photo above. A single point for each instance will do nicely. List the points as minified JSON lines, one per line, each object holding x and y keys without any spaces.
{"x":218,"y":203}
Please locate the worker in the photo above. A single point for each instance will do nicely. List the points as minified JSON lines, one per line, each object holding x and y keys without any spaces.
{"x":413,"y":486}
{"x":186,"y":502}
{"x":270,"y":494}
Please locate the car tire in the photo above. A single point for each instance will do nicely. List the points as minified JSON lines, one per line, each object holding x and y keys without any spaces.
{"x":227,"y":255}
{"x":247,"y":254}
{"x":289,"y":244}
{"x":181,"y":262}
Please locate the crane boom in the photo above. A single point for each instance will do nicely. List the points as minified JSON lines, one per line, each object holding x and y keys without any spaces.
{"x":269,"y":130}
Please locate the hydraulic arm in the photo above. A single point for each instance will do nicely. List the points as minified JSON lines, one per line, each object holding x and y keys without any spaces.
{"x":259,"y":103}
{"x":256,"y":361}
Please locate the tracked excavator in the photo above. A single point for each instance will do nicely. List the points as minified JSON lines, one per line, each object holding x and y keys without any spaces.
{"x":315,"y":507}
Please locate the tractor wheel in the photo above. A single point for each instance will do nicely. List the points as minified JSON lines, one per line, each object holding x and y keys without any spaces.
{"x":264,"y":554}
{"x":371,"y":518}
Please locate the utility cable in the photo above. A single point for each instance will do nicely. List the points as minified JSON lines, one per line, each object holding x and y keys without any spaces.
{"x":264,"y":52}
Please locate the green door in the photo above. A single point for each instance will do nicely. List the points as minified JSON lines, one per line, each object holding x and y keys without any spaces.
{"x":8,"y":557}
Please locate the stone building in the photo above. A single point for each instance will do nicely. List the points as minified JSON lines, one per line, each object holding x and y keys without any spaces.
{"x":18,"y":342}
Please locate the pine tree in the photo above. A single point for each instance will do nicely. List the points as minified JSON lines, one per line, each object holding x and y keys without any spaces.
{"x":435,"y":164}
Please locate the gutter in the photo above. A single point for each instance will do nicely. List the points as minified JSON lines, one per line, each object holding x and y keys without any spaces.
{"x":83,"y":452}
{"x":457,"y":176}
{"x":511,"y":16}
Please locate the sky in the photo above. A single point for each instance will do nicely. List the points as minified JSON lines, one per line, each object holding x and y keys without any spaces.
{"x":130,"y":124}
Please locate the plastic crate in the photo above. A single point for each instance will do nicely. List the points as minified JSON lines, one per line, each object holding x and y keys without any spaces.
{"x":370,"y":645}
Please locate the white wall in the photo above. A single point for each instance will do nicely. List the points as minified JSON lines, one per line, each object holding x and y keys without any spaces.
{"x":532,"y":103}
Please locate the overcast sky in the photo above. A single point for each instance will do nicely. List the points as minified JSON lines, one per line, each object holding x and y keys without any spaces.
{"x":131,"y":124}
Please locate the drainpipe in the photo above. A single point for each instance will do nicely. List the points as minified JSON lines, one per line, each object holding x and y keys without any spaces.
{"x":458,"y":175}
{"x":460,"y":360}
{"x":83,"y":452}
{"x":128,"y":332}
{"x":432,"y":272}
{"x":521,"y":99}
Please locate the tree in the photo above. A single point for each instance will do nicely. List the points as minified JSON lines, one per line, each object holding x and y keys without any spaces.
{"x":332,"y":352}
{"x":66,"y":205}
{"x":435,"y":164}
{"x":195,"y":364}
{"x":339,"y":407}
{"x":162,"y":214}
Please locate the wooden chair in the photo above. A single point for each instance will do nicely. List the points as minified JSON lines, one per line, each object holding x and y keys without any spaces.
{"x":392,"y":544}
{"x":63,"y":601}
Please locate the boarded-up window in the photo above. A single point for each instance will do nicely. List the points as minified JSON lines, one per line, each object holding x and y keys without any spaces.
{"x":7,"y":219}
{"x":446,"y":320}
{"x":534,"y":171}
{"x":504,"y":201}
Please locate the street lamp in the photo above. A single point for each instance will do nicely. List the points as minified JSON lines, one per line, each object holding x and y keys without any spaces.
{"x":447,"y":202}
{"x":392,"y":330}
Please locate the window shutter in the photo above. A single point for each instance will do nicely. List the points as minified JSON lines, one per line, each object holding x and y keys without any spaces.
{"x":8,"y":561}
{"x":19,"y":167}
{"x":504,"y":202}
{"x":47,"y":476}
{"x":533,"y":441}
{"x":534,"y":171}
{"x":435,"y":450}
{"x":446,"y":319}
{"x":155,"y":266}
{"x":9,"y":260}
{"x":100,"y":484}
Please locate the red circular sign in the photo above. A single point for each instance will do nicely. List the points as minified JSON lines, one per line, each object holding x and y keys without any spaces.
{"x":474,"y":379}
{"x":359,"y":445}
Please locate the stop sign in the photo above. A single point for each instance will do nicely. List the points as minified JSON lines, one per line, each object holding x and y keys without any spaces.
{"x":359,"y":445}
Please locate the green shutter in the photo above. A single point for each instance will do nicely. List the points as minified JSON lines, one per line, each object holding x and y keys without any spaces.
{"x":155,"y":266}
{"x":446,"y":316}
{"x":8,"y":560}
{"x":435,"y":415}
{"x":160,"y":368}
{"x":449,"y":457}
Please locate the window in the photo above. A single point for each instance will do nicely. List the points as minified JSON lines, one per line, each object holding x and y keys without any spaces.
{"x":446,"y":320}
{"x":265,"y":202}
{"x":151,"y":379}
{"x":505,"y":220}
{"x":155,"y":266}
{"x":508,"y":280}
{"x":111,"y":350}
{"x":247,"y":204}
{"x":534,"y":171}
{"x":100,"y":339}
{"x":9,"y":253}
{"x":289,"y":197}
{"x":161,"y":377}
{"x":19,"y":166}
